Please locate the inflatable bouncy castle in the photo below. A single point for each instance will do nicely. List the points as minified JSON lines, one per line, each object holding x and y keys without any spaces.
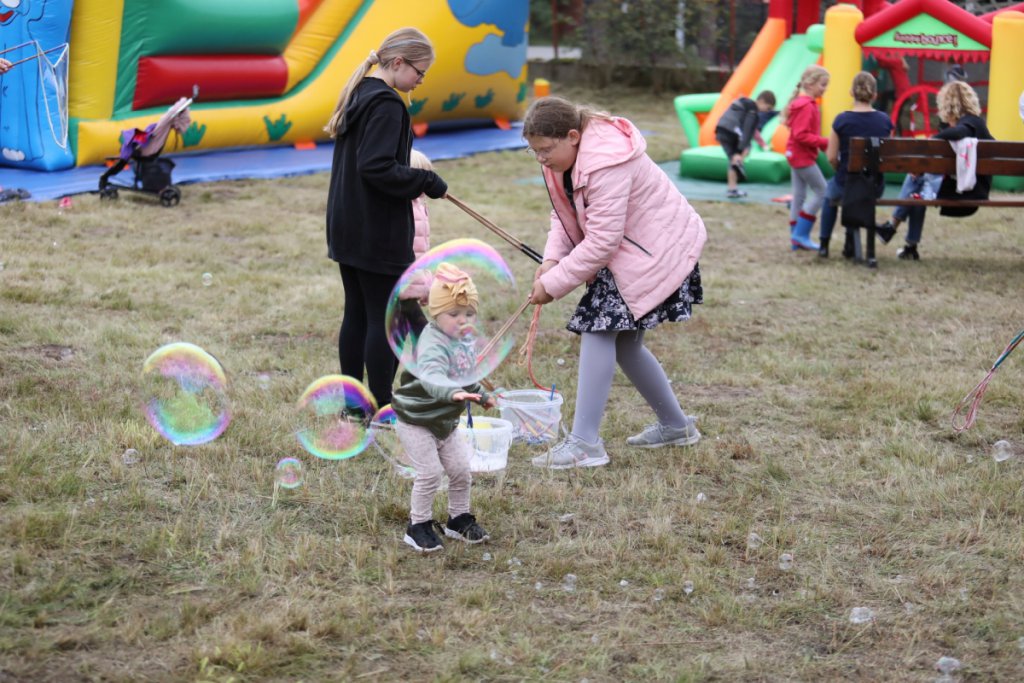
{"x":263,"y":72}
{"x":912,"y":42}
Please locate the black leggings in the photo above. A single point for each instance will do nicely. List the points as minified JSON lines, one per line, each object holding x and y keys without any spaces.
{"x":362,"y":340}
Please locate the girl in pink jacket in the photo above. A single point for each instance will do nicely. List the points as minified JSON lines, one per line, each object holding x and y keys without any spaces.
{"x":620,"y":226}
{"x":415,"y":294}
{"x":805,"y":141}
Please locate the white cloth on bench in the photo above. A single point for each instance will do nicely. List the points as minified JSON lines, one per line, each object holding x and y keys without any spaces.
{"x":966,"y":150}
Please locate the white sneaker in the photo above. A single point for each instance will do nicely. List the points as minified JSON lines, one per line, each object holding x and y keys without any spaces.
{"x":657,"y":435}
{"x":573,"y":452}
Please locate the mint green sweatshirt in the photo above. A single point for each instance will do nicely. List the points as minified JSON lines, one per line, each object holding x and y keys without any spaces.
{"x":426,"y":403}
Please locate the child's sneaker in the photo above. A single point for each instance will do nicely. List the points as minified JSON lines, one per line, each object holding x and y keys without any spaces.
{"x":735,"y":193}
{"x":465,"y":528}
{"x":422,"y":537}
{"x":573,"y":452}
{"x":657,"y":435}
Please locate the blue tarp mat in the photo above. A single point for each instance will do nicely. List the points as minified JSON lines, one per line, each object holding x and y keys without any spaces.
{"x":256,"y":162}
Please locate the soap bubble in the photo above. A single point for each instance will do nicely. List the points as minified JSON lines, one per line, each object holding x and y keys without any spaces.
{"x":288,"y":473}
{"x":569,"y":583}
{"x":405,"y":318}
{"x":785,"y":562}
{"x":185,"y":392}
{"x":1002,"y":450}
{"x":861,"y":615}
{"x":385,"y":441}
{"x":687,"y":587}
{"x":702,"y":497}
{"x":130,"y":456}
{"x":334,"y":412}
{"x":659,"y":594}
{"x":947,"y":665}
{"x":754,"y":540}
{"x":207,"y":279}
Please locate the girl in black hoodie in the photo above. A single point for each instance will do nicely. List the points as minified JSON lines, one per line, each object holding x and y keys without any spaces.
{"x":369,"y":204}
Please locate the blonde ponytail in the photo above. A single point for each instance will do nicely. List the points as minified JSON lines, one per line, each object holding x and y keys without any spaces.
{"x":408,"y":43}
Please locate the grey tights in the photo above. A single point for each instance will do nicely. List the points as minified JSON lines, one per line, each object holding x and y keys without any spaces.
{"x":599,"y":352}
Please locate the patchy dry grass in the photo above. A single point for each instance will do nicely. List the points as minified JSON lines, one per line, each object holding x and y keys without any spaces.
{"x":823,"y":391}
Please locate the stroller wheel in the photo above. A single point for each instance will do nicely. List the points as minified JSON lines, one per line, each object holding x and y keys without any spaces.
{"x":170,"y":196}
{"x":108,"y":193}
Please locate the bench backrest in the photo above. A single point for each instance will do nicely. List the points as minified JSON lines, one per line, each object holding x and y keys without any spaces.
{"x":925,"y":155}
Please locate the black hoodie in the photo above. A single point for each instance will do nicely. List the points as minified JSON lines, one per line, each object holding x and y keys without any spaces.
{"x":369,"y":204}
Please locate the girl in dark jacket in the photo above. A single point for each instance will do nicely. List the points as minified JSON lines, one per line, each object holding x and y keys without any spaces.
{"x":960,"y":112}
{"x":369,"y":205}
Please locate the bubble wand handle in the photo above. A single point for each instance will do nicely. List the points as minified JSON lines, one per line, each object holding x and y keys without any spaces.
{"x":36,"y":56}
{"x":501,"y":332}
{"x":526,"y":249}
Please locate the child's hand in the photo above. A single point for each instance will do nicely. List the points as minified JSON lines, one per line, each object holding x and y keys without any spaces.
{"x":539,"y":295}
{"x":460,"y":395}
{"x":491,"y":402}
{"x":544,"y":267}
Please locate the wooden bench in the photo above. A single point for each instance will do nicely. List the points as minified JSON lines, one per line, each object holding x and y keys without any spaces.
{"x":925,"y":155}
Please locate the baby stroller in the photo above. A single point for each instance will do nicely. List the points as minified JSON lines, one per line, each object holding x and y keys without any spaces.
{"x":141,"y":149}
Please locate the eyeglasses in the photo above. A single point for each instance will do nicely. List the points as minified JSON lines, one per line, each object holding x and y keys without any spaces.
{"x":421,"y":74}
{"x":544,"y":152}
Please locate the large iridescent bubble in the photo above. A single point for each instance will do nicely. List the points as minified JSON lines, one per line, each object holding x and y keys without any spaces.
{"x":334,"y":413}
{"x":475,"y":352}
{"x":185,"y":394}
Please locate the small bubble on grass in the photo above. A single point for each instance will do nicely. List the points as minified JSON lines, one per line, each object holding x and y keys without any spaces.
{"x":861,"y":615}
{"x":569,"y":583}
{"x":947,"y":665}
{"x":130,"y":456}
{"x":754,"y":540}
{"x":687,"y":587}
{"x":785,"y":562}
{"x":560,"y":361}
{"x":1002,"y":450}
{"x":567,"y":517}
{"x":659,"y":594}
{"x":538,"y":586}
{"x":207,"y":279}
{"x":486,"y":557}
{"x":515,"y":562}
{"x":625,"y":583}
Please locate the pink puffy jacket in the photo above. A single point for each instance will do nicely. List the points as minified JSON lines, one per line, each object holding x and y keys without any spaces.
{"x":420,"y":288}
{"x":629,"y":216}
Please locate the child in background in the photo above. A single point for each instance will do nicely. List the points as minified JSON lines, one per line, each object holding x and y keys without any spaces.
{"x":960,"y":113}
{"x":861,"y":121}
{"x":619,"y":225}
{"x":416,"y":292}
{"x":428,"y":410}
{"x":741,"y":123}
{"x":805,"y":141}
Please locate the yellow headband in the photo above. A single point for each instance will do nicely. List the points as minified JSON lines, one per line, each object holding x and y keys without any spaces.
{"x":451,"y":287}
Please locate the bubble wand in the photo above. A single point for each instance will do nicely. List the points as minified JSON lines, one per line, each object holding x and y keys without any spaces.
{"x":518,"y":244}
{"x":972,"y":400}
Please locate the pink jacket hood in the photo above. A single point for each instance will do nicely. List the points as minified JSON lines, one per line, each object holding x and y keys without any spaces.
{"x":628,"y":216}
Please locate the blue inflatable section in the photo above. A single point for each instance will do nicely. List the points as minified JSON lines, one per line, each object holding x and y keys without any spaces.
{"x":33,"y":94}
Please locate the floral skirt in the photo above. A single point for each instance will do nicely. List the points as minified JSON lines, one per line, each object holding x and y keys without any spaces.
{"x":602,"y":308}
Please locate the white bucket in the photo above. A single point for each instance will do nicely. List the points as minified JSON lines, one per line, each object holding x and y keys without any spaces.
{"x":535,"y":415}
{"x":490,"y":439}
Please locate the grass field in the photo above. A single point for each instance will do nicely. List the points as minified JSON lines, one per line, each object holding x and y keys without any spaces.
{"x":823,"y":391}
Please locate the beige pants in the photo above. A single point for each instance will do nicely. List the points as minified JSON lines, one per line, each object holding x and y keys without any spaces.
{"x":432,"y":458}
